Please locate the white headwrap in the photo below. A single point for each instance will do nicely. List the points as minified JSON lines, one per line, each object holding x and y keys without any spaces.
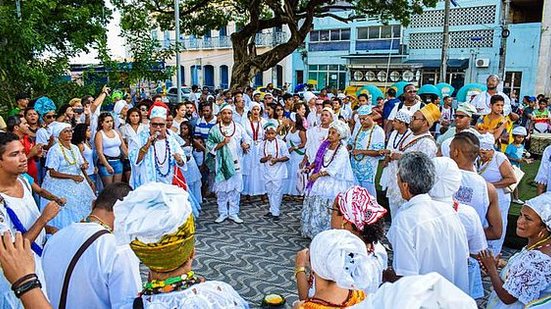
{"x":341,"y":95}
{"x":341,"y":128}
{"x":341,"y":257}
{"x":365,"y":110}
{"x":226,"y":106}
{"x":328,"y":109}
{"x":255,"y":104}
{"x":541,"y":204}
{"x":403,"y":115}
{"x":58,"y":127}
{"x":466,"y":108}
{"x":158,"y":112}
{"x":212,"y":295}
{"x":520,"y":130}
{"x":487,"y":141}
{"x":420,"y":291}
{"x":309,"y":96}
{"x":270,"y":124}
{"x":119,"y":106}
{"x":151,"y":211}
{"x":448,"y":178}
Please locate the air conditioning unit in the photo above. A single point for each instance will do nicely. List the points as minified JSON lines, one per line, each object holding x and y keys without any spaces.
{"x":482,"y":62}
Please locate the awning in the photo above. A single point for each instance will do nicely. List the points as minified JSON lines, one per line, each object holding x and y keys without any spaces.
{"x":435,"y":63}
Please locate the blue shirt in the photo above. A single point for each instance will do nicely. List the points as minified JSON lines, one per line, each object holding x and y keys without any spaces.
{"x":389,"y":105}
{"x":514,"y":152}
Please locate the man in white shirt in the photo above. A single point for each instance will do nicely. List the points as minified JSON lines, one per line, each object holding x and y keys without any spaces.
{"x":482,"y":100}
{"x":107,"y":273}
{"x":410,"y":102}
{"x":426,"y":235}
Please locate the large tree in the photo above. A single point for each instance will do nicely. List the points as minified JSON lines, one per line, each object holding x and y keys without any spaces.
{"x":199,"y":16}
{"x":37,"y":37}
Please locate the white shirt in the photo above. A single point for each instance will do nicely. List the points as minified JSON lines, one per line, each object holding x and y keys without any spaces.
{"x":474,"y":192}
{"x":412,"y":109}
{"x":277,"y":171}
{"x":427,"y":236}
{"x":423,"y":142}
{"x":482,"y":103}
{"x":314,"y":137}
{"x":105,"y":276}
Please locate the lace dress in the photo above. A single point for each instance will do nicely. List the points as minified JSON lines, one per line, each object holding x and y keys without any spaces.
{"x":253,"y":181}
{"x":526,"y":277}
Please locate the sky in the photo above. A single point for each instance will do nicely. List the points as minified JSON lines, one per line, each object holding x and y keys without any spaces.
{"x":114,"y":41}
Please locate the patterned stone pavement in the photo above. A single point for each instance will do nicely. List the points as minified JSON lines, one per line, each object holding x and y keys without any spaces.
{"x":256,"y":257}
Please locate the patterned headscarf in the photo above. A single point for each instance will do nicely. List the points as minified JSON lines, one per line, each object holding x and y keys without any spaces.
{"x":359,"y":207}
{"x":44,"y":105}
{"x":403,"y":115}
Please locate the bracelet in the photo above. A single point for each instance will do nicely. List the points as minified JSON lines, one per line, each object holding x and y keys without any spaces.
{"x":298,"y":270}
{"x":27,"y":286}
{"x":18,"y":282}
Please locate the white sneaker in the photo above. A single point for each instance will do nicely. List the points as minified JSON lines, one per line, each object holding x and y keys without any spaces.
{"x":235,"y":219}
{"x":221,"y":218}
{"x":518,"y":201}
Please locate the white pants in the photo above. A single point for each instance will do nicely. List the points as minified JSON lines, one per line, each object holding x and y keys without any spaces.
{"x":504,"y":204}
{"x":370,"y":188}
{"x":225,"y":198}
{"x":274,"y":188}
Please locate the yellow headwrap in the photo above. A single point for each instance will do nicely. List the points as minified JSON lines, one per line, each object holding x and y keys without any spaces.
{"x":431,"y":113}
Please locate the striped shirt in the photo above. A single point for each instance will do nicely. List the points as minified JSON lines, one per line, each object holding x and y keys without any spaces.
{"x":203,"y":127}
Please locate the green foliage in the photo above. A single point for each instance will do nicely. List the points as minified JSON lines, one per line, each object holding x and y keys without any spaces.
{"x":37,"y":44}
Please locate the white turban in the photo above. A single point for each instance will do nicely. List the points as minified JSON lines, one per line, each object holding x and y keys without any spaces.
{"x":212,"y":295}
{"x":487,"y":141}
{"x":270,"y":124}
{"x":420,"y":291}
{"x":58,"y":127}
{"x":226,"y":106}
{"x":519,"y":130}
{"x":309,"y":96}
{"x":466,"y":108}
{"x":119,"y":106}
{"x":255,"y":104}
{"x":341,"y":128}
{"x":403,"y":115}
{"x":341,"y":257}
{"x":330,"y":110}
{"x":448,"y":178}
{"x":541,"y":204}
{"x":365,"y":110}
{"x":151,"y":211}
{"x":158,"y":112}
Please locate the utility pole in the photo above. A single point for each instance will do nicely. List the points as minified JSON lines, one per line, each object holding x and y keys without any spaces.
{"x":178,"y":69}
{"x":445,"y":42}
{"x":504,"y":35}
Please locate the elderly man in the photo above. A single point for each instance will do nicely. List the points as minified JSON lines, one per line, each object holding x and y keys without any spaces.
{"x":155,"y":154}
{"x":474,"y":190}
{"x":226,"y":143}
{"x":420,"y":139}
{"x":426,"y":235}
{"x":463,"y":116}
{"x":482,"y":100}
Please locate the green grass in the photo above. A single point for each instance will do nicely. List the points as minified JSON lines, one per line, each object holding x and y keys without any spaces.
{"x":527,"y":187}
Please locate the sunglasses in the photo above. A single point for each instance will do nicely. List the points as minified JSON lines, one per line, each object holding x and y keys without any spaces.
{"x":412,"y":91}
{"x":143,"y":109}
{"x":157,"y":125}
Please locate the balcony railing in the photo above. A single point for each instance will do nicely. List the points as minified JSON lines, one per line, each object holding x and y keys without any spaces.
{"x":261,"y":39}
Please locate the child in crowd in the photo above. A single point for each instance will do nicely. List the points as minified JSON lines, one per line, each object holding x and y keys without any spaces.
{"x":515,"y":153}
{"x":274,"y":153}
{"x":541,"y":117}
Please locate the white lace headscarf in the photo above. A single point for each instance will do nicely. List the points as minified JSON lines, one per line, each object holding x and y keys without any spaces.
{"x":341,"y":257}
{"x":541,"y":204}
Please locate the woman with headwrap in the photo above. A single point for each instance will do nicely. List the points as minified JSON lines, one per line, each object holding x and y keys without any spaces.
{"x":156,"y":219}
{"x":496,"y":169}
{"x":331,"y":174}
{"x":339,"y":270}
{"x":525,"y":282}
{"x":253,"y":181}
{"x":67,"y":177}
{"x":357,"y":211}
{"x":400,"y":131}
{"x":45,"y":108}
{"x":366,"y":147}
{"x":296,"y":141}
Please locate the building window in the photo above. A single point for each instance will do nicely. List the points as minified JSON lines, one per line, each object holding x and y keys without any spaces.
{"x":330,"y":35}
{"x":323,"y":75}
{"x":512,"y":83}
{"x":379,"y":32}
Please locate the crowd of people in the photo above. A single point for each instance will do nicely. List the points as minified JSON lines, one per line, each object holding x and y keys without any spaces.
{"x":93,"y":193}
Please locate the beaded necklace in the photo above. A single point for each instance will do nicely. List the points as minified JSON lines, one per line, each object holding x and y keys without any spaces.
{"x":412,"y":142}
{"x":276,"y":148}
{"x":368,"y":142}
{"x":538,"y":245}
{"x":483,"y":167}
{"x":158,"y":164}
{"x":255,"y":131}
{"x":178,"y":283}
{"x":65,"y":155}
{"x":394,"y":144}
{"x":332,"y":157}
{"x":224,"y":134}
{"x":95,"y":219}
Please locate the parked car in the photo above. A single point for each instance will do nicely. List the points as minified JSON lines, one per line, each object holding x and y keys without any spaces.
{"x":173,"y":95}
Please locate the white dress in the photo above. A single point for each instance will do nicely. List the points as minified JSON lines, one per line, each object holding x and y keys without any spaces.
{"x":490,"y":172}
{"x":293,"y":140}
{"x":527,"y":277}
{"x":316,"y":210}
{"x":388,"y":179}
{"x":192,"y":174}
{"x":544,"y":171}
{"x":79,"y":195}
{"x":253,"y":181}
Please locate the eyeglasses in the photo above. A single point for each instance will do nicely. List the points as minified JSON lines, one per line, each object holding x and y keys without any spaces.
{"x":157,"y":124}
{"x":143,"y":109}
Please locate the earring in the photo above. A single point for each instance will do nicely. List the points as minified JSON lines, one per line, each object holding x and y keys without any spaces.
{"x":343,"y":224}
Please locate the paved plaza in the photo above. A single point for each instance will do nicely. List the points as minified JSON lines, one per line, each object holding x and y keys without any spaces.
{"x":258,"y":256}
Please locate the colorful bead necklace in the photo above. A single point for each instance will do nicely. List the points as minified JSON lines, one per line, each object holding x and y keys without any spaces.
{"x":158,"y":164}
{"x":178,"y":283}
{"x":538,"y":245}
{"x":394,"y":144}
{"x":332,"y":157}
{"x":412,"y":142}
{"x":65,"y":155}
{"x":368,"y":142}
{"x":276,"y":148}
{"x":484,"y":166}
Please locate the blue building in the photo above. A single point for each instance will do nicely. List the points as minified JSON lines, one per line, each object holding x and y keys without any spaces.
{"x":338,"y":54}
